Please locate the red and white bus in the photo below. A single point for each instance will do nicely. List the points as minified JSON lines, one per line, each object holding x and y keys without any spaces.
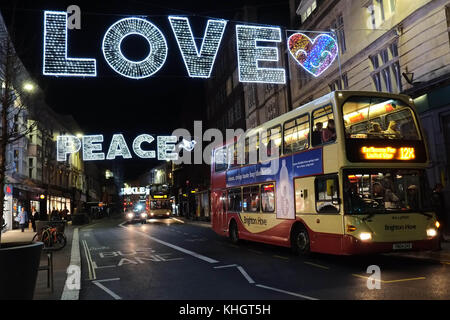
{"x":357,"y":188}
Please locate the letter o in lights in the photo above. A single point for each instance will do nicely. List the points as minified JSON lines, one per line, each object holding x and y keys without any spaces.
{"x":134,"y":69}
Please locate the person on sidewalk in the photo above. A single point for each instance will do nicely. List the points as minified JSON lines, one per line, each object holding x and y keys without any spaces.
{"x":23,"y":219}
{"x":54,"y":216}
{"x":34,"y":216}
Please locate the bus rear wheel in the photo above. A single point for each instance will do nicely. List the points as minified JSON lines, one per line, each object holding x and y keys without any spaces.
{"x":234,"y":235}
{"x":300,"y":243}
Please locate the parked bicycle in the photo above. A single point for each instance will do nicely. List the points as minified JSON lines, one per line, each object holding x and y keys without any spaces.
{"x":51,"y":237}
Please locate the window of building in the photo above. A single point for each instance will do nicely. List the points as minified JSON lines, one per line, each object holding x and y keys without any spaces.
{"x":30,"y":162}
{"x":268,"y":197}
{"x":381,"y":8}
{"x":308,"y":9}
{"x":389,"y":70}
{"x":296,"y":133}
{"x":251,"y":199}
{"x":237,"y":110}
{"x":272,"y":109}
{"x":327,"y":190}
{"x":338,"y":26}
{"x":393,"y":4}
{"x":339,"y":84}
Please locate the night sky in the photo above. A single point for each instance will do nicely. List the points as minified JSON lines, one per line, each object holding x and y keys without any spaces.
{"x":111,"y":103}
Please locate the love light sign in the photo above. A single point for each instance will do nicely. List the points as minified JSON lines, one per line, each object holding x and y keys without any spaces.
{"x":314,"y":55}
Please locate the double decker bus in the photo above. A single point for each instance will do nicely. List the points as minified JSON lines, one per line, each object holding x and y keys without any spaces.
{"x":159,"y":203}
{"x":349,"y":178}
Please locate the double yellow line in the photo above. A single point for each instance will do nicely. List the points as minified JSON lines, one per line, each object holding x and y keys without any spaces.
{"x":91,"y":268}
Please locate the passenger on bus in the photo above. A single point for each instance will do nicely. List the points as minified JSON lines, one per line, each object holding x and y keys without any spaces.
{"x":392,"y":131}
{"x":385,"y":195}
{"x":329,"y":133}
{"x":412,"y":197}
{"x":316,"y":137}
{"x":376,"y":128}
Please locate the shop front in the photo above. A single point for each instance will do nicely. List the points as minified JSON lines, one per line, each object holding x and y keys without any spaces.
{"x":202,"y":205}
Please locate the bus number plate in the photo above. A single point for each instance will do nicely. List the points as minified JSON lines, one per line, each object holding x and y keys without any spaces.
{"x":402,"y":246}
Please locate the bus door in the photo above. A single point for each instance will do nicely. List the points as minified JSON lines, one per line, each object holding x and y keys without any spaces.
{"x":327,"y":225}
{"x":218,"y":210}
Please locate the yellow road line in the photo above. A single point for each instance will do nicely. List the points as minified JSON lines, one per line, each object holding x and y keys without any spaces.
{"x":445,"y":262}
{"x":390,"y":281}
{"x":316,"y":265}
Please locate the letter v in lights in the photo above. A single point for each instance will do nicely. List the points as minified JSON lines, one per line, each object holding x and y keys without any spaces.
{"x":198,"y":64}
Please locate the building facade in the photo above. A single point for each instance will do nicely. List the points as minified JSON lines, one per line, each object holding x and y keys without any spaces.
{"x":390,"y":46}
{"x":34,"y":179}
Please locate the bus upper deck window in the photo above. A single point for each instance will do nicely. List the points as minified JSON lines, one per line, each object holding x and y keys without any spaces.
{"x":296,"y":134}
{"x":324,"y":129}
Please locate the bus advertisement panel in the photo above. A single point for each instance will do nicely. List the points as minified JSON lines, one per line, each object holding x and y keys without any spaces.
{"x":282,"y":171}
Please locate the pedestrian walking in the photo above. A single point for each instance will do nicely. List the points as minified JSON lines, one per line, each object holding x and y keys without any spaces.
{"x":23,"y":219}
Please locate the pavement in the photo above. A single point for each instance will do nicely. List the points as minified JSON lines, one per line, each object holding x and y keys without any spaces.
{"x":61,"y":261}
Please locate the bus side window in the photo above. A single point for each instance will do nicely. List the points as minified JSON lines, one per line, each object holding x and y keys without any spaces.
{"x":251,"y":199}
{"x":252,"y":145}
{"x":234,"y":200}
{"x":268,"y":197}
{"x":223,"y":200}
{"x":324,"y":130}
{"x":220,"y":159}
{"x":327,"y":194}
{"x":272,"y":140}
{"x":296,"y":134}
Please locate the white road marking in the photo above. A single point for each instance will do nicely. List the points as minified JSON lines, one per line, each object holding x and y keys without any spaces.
{"x":178,"y":220}
{"x":227,"y":266}
{"x":286,"y":292}
{"x":241,"y":270}
{"x":245,"y":274}
{"x":75,"y":260}
{"x":108,"y":291}
{"x":189,"y":252}
{"x":94,"y":264}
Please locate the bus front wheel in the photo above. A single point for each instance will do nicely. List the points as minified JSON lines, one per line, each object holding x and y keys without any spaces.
{"x":234,"y":235}
{"x":300,"y":240}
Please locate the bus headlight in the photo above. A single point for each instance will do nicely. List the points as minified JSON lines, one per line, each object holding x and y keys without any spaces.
{"x":130,"y":215}
{"x":143,"y":215}
{"x":364,"y":236}
{"x":437,"y":224}
{"x":151,"y":214}
{"x":168,"y":213}
{"x":431,"y":232}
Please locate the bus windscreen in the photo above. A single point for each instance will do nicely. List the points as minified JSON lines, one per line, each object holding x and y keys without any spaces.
{"x":379,"y":118}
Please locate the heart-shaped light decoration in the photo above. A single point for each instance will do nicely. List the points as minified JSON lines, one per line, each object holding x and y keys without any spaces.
{"x":315,"y":56}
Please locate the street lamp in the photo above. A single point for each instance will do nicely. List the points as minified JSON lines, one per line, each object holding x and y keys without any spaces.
{"x":28,"y":87}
